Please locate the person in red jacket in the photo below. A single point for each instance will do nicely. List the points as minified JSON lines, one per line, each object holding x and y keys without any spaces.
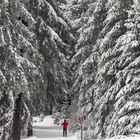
{"x":65,"y":126}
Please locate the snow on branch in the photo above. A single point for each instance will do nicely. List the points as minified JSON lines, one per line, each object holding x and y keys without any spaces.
{"x":26,"y":15}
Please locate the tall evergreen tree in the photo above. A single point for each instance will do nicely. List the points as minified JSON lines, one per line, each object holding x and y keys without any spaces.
{"x":35,"y":43}
{"x":106,"y":70}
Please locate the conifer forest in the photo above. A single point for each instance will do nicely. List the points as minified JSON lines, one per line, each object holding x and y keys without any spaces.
{"x":78,"y":59}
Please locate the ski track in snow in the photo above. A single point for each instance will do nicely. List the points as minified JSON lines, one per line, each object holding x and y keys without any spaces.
{"x":46,"y":130}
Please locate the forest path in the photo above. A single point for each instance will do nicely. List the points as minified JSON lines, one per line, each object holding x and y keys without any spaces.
{"x":46,"y":130}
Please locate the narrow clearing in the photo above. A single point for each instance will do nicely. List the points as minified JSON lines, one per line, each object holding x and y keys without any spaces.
{"x":46,"y":130}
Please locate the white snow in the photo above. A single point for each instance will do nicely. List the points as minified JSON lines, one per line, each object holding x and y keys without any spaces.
{"x":133,"y":137}
{"x":44,"y":129}
{"x":46,"y":121}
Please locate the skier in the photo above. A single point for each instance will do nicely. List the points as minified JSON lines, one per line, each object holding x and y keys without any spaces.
{"x":65,"y":126}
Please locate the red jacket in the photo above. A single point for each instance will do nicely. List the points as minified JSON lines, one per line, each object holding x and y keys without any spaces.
{"x":65,"y":124}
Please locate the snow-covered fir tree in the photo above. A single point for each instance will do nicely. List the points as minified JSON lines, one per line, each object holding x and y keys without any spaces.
{"x":19,"y":61}
{"x":35,"y":45}
{"x":106,"y":69}
{"x":57,"y":52}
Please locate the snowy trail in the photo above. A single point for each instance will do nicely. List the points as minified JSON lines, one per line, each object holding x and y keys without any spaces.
{"x":46,"y":130}
{"x":50,"y":133}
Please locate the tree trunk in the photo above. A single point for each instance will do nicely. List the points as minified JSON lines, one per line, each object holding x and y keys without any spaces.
{"x":16,"y":119}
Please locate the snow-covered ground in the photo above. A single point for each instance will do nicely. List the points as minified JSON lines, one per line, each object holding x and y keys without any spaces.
{"x":133,"y":137}
{"x":46,"y":130}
